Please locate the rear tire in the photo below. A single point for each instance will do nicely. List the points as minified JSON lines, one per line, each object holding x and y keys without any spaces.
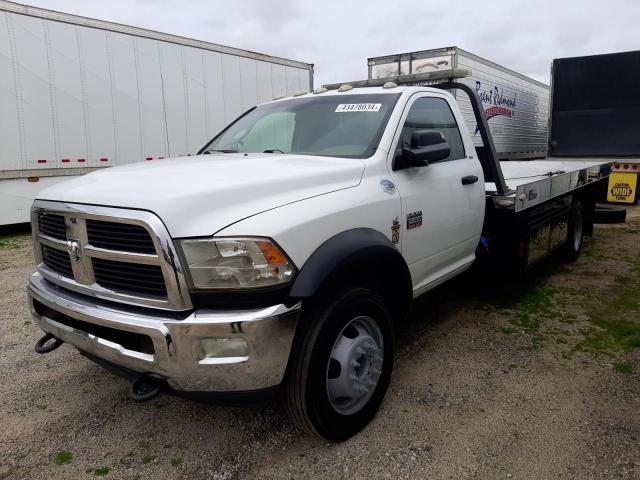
{"x":575,"y":235}
{"x":340,"y":364}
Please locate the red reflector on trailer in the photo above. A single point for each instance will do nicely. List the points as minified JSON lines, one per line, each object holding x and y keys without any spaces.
{"x":33,"y":179}
{"x":160,"y":158}
{"x":82,"y":160}
{"x":42,"y":161}
{"x":523,"y":249}
{"x":149,"y":158}
{"x":104,"y":159}
{"x":634,"y":166}
{"x":65,"y":160}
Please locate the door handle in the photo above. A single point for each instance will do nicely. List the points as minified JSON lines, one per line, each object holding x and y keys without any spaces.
{"x":469,"y":179}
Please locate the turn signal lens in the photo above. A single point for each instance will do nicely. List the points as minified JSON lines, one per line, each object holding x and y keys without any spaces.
{"x":271,"y":253}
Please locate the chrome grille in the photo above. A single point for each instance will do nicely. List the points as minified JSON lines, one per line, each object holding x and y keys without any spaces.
{"x":57,"y":260}
{"x":137,"y":279}
{"x":110,"y":253}
{"x":52,"y":225}
{"x":119,"y":236}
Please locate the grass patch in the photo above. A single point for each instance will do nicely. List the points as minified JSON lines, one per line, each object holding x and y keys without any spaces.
{"x":42,"y":407}
{"x":537,"y":341}
{"x":147,"y":459}
{"x":507,"y":330}
{"x":101,"y":472}
{"x":175,"y":461}
{"x":624,"y":333}
{"x":623,"y":368}
{"x":9,"y":244}
{"x":63,"y":456}
{"x":614,"y":329}
{"x":627,"y":299}
{"x":526,"y":322}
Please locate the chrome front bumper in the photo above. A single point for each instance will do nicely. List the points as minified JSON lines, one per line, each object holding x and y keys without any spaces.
{"x":177,"y":355}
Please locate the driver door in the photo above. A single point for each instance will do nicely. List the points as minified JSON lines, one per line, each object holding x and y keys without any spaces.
{"x":441,"y":217}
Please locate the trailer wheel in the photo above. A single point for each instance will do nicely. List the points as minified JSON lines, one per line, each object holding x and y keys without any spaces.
{"x":575,"y":235}
{"x":341,"y":364}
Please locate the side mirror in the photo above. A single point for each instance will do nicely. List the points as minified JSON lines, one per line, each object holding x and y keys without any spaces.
{"x":426,"y":146}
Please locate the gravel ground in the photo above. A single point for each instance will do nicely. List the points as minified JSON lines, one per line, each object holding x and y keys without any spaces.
{"x":536,"y":378}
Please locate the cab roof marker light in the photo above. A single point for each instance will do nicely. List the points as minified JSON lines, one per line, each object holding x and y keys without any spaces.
{"x":299,"y":93}
{"x":279,"y":97}
{"x":345,"y":88}
{"x":390,"y":85}
{"x":320,"y":90}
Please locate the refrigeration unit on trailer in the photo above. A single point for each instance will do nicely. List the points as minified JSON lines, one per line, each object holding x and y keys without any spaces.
{"x":593,"y":116}
{"x":516,"y":106}
{"x":79,"y":94}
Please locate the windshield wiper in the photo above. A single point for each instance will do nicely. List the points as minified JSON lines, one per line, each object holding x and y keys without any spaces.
{"x":226,"y":150}
{"x":273,"y":150}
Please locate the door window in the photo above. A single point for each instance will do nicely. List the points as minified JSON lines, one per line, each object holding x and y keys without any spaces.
{"x":433,"y":114}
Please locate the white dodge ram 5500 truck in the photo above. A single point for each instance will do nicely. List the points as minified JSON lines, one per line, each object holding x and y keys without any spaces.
{"x":282,"y":257}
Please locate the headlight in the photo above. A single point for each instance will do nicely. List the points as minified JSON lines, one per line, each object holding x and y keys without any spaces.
{"x":234,"y":263}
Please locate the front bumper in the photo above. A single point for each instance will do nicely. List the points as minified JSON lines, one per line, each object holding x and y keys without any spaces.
{"x":174,"y":351}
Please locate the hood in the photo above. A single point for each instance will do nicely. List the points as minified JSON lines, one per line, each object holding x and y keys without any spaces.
{"x":199,"y":195}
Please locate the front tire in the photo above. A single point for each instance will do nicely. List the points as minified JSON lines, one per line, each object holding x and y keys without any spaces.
{"x":340,"y":364}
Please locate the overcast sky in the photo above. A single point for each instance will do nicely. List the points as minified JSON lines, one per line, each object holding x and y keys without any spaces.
{"x":338,"y":37}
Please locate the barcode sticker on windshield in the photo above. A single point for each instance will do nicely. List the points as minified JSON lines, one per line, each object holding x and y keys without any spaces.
{"x":358,"y":107}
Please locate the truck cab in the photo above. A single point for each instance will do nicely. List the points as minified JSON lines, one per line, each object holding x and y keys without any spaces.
{"x":282,"y":258}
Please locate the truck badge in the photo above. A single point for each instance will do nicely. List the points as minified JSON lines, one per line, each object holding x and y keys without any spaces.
{"x":75,"y":253}
{"x":414,"y":219}
{"x":395,"y":231}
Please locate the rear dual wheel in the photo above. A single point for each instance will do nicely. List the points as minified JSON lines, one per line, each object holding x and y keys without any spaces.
{"x":340,"y":364}
{"x":575,"y":235}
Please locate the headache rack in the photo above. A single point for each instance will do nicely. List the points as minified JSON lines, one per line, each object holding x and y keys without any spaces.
{"x":445,"y":80}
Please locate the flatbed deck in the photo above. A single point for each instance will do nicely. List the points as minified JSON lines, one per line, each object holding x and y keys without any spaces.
{"x":535,"y":181}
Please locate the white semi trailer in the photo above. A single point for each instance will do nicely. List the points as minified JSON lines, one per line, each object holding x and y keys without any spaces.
{"x":516,"y":106}
{"x":79,"y":94}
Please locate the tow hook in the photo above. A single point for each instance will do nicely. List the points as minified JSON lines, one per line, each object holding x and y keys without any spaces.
{"x":145,"y":388}
{"x":45,"y":346}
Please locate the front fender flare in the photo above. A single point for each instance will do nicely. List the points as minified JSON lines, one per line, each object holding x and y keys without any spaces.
{"x":352,"y":250}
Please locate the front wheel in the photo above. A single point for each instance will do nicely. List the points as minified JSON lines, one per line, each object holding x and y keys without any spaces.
{"x":341,"y":364}
{"x":575,"y":235}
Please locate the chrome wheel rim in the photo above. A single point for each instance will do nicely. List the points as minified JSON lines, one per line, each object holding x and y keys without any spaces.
{"x":355,"y":365}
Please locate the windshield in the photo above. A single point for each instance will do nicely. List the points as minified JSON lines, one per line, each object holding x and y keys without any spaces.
{"x":333,"y":125}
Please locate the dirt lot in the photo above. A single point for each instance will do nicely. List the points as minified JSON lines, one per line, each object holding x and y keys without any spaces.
{"x":532,"y":379}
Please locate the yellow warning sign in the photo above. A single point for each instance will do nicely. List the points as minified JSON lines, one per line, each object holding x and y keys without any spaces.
{"x":622,"y":187}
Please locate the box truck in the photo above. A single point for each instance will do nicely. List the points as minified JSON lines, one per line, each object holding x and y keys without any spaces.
{"x":79,"y":94}
{"x":516,"y":106}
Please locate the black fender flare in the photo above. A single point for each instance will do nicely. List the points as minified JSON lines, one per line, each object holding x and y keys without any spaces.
{"x":354,"y":249}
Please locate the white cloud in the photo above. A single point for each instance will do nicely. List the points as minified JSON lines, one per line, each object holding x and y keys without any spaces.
{"x":339,"y":36}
